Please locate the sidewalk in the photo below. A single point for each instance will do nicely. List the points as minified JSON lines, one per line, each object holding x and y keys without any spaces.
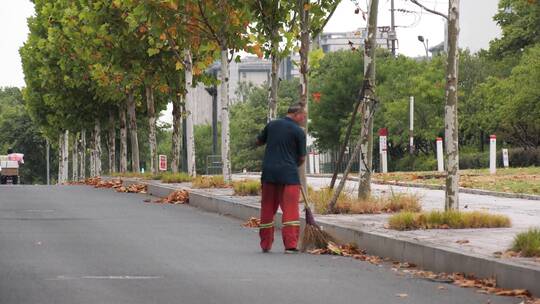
{"x":435,"y":250}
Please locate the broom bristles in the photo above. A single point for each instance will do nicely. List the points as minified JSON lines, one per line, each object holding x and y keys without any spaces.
{"x":313,"y":236}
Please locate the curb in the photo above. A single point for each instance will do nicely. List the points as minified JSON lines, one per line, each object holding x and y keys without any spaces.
{"x":435,"y":187}
{"x":508,"y":274}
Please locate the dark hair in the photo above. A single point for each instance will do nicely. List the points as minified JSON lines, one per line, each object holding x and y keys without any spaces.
{"x":295,"y":108}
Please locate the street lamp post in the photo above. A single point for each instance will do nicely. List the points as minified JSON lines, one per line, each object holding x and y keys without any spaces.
{"x":425,"y":42}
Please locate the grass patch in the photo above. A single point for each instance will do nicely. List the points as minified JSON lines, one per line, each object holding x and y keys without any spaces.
{"x":247,"y":187}
{"x":528,"y":243}
{"x":511,"y":180}
{"x":447,"y":220}
{"x":348,"y":204}
{"x":176,"y":177}
{"x":211,"y":181}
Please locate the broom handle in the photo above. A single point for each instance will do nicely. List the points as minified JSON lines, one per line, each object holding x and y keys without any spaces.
{"x":304,"y":195}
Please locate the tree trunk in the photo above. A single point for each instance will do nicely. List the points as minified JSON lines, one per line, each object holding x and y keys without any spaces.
{"x":225,"y":133}
{"x":123,"y":138}
{"x":304,"y":69}
{"x":274,"y":80}
{"x":188,"y":63}
{"x":65,"y":157}
{"x":97,"y":147}
{"x":75,"y":164}
{"x":92,"y":154}
{"x":82,"y":162}
{"x":152,"y":128}
{"x":177,"y":128}
{"x":112,"y":142}
{"x":60,"y":158}
{"x":368,"y":106}
{"x":450,"y":110}
{"x":366,"y":156}
{"x":132,"y":116}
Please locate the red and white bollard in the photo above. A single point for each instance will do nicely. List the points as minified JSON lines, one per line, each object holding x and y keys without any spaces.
{"x":492,"y":154}
{"x":440,"y":155}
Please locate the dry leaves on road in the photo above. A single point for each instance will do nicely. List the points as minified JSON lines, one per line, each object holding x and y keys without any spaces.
{"x":347,"y":250}
{"x":134,"y":188}
{"x":175,"y":197}
{"x":462,"y":242}
{"x":253,"y":222}
{"x":98,"y":183}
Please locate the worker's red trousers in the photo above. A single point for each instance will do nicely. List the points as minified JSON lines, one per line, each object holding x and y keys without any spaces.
{"x":286,"y":197}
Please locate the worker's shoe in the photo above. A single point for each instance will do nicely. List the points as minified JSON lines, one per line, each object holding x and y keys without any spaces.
{"x":265,"y":250}
{"x":291,"y":251}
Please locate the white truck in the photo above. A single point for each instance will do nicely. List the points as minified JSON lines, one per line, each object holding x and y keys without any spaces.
{"x":9,"y":168}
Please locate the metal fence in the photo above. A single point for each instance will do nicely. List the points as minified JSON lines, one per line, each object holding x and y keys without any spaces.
{"x":213,"y":165}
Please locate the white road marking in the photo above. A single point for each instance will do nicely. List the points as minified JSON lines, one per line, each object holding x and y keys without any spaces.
{"x":113,"y":277}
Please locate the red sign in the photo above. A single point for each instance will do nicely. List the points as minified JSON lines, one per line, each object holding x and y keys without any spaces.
{"x":383,"y":132}
{"x":439,"y":139}
{"x":163,"y":163}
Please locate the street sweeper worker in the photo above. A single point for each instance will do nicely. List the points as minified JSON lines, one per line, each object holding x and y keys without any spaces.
{"x":285,"y":152}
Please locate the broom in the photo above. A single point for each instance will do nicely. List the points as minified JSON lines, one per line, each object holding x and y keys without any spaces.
{"x":313,"y":236}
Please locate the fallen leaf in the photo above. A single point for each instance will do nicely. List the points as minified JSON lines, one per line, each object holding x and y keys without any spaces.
{"x":440,"y":287}
{"x":462,"y":241}
{"x":402,"y":295}
{"x":253,"y":222}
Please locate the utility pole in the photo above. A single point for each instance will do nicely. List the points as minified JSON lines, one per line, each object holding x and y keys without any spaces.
{"x":392,"y":28}
{"x":411,"y":125}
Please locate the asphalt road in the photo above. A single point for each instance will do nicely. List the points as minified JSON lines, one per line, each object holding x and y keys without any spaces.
{"x":76,"y":244}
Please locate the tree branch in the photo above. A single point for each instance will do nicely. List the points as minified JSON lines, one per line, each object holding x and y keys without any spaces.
{"x":429,"y":10}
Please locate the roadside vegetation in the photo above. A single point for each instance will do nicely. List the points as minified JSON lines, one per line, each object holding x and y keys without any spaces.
{"x":348,"y":204}
{"x":247,"y":187}
{"x":512,"y":180}
{"x":181,"y":177}
{"x":528,"y":243}
{"x":447,"y":220}
{"x":211,"y":181}
{"x":146,"y":175}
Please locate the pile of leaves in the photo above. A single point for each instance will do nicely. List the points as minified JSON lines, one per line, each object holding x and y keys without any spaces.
{"x":134,"y":188}
{"x":175,"y":197}
{"x":347,"y":250}
{"x":98,"y":183}
{"x":253,"y":222}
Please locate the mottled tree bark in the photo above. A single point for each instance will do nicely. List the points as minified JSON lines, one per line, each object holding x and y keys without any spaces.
{"x":274,"y":81}
{"x":65,"y":157}
{"x":303,"y":14}
{"x":190,"y":136}
{"x":177,"y":131}
{"x":82,"y":162}
{"x":225,"y":132}
{"x":368,"y":108}
{"x":151,"y":111}
{"x":450,"y":110}
{"x":111,"y":142}
{"x":75,"y":157}
{"x":97,"y":147}
{"x":123,"y":138}
{"x":132,"y":116}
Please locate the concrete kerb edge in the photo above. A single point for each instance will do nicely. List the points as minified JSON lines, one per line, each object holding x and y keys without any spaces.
{"x":436,"y":187}
{"x":508,"y":274}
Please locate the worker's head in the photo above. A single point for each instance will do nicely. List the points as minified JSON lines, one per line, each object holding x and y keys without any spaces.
{"x":297,"y":113}
{"x":9,"y":150}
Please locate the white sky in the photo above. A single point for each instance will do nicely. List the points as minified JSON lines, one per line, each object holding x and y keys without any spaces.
{"x":477,"y":28}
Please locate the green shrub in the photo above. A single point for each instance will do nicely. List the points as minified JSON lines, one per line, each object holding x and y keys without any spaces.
{"x":528,"y":243}
{"x":247,"y":187}
{"x":447,"y":219}
{"x":181,"y":177}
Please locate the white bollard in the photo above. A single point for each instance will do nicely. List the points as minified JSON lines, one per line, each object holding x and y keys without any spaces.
{"x":317,"y":163}
{"x":440,"y":155}
{"x":492,"y":154}
{"x":383,"y":135}
{"x":311,"y":163}
{"x":506,"y":163}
